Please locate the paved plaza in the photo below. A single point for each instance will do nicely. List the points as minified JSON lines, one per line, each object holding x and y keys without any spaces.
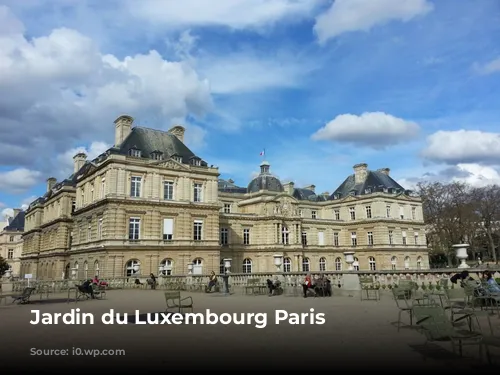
{"x":357,"y":334}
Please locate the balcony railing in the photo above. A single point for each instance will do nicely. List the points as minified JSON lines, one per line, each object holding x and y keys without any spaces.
{"x":341,"y":281}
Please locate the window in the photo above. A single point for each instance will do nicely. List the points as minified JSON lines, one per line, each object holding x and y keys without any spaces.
{"x":73,"y":206}
{"x":401,"y":212}
{"x":91,"y":193}
{"x":197,"y":230}
{"x":134,"y":228}
{"x":336,"y":214}
{"x":287,"y":265}
{"x":388,"y":211}
{"x":285,"y":236}
{"x":168,"y":229}
{"x":313,"y":214}
{"x":301,"y":214}
{"x":335,"y":239}
{"x":354,"y":240}
{"x":224,"y":236}
{"x":322,"y":264}
{"x":10,"y":254}
{"x":198,"y":266}
{"x":305,"y":265}
{"x":83,"y":196}
{"x":89,"y":233}
{"x":11,"y":239}
{"x":407,"y":263}
{"x":247,"y":266}
{"x":304,"y":238}
{"x":415,"y":237}
{"x":103,"y":187}
{"x":135,"y":186}
{"x":338,"y":264}
{"x":368,"y":212}
{"x":135,"y":153}
{"x":227,"y":208}
{"x":156,"y":155}
{"x":177,"y":158}
{"x":222,"y":267}
{"x":166,"y":267}
{"x":196,"y":162}
{"x":355,"y":265}
{"x":198,"y":189}
{"x":403,"y":236}
{"x":370,"y":238}
{"x":419,"y":263}
{"x":394,"y":263}
{"x":246,"y":236}
{"x":168,"y":190}
{"x":99,"y":228}
{"x":414,"y":213}
{"x":96,"y":268}
{"x":372,"y":264}
{"x":352,"y":213}
{"x":391,"y":237}
{"x":321,"y":239}
{"x":132,"y":267}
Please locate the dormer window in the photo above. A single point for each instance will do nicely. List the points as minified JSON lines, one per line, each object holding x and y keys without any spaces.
{"x":196,"y":161}
{"x":386,"y":190}
{"x":157,"y":155}
{"x":368,"y":191}
{"x":337,"y":196}
{"x":135,"y":152}
{"x":177,"y":158}
{"x":352,"y":192}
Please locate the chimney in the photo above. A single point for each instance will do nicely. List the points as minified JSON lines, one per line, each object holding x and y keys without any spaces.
{"x":123,"y":127}
{"x":310,"y":187}
{"x":51,"y":181}
{"x":16,"y":212}
{"x":78,"y":162}
{"x":289,"y":187}
{"x":231,"y":181}
{"x":385,"y":171}
{"x":360,"y":173}
{"x":178,"y":131}
{"x":326,"y":194}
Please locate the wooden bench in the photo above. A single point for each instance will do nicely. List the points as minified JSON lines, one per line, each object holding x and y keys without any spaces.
{"x":255,"y":285}
{"x":174,"y":301}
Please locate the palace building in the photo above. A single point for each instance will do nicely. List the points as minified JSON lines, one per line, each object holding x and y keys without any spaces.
{"x":150,"y":205}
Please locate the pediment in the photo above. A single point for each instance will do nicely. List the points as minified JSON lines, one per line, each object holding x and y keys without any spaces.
{"x":285,"y":198}
{"x":172,"y":164}
{"x":349,"y":198}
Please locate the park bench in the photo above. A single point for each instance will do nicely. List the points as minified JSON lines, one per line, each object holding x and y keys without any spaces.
{"x":255,"y":286}
{"x":174,"y":301}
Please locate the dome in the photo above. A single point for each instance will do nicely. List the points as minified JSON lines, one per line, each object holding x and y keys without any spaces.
{"x":265,"y":181}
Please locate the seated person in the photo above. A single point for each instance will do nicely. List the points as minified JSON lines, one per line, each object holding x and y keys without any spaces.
{"x":87,"y":287}
{"x":493,"y":286}
{"x":273,"y":286}
{"x":328,"y":287}
{"x":307,"y":285}
{"x":462,"y":276}
{"x":211,"y":282}
{"x":137,"y":282}
{"x":98,"y":282}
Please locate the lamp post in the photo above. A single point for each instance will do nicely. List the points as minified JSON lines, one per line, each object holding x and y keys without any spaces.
{"x":225,"y":277}
{"x":349,"y":259}
{"x":461,"y":254}
{"x":278,"y":261}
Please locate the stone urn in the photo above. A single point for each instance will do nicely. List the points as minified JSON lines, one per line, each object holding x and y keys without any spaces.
{"x":349,"y":259}
{"x":461,"y":254}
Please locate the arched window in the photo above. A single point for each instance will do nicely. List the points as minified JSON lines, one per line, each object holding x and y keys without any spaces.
{"x":419,"y":263}
{"x":96,"y":268}
{"x":67,"y":271}
{"x":305,"y":265}
{"x":355,"y":265}
{"x":287,"y":265}
{"x":407,"y":263}
{"x":338,"y":264}
{"x":133,"y":267}
{"x":322,"y":264}
{"x":166,"y":267}
{"x":247,"y":266}
{"x":76,"y":270}
{"x":85,"y":270}
{"x":372,"y":264}
{"x":394,"y":263}
{"x":198,"y":266}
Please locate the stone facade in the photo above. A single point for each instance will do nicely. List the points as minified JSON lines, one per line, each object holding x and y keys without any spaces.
{"x":148,"y":205}
{"x":11,"y":242}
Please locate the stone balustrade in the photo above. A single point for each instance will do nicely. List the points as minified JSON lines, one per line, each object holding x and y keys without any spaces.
{"x":342,"y":281}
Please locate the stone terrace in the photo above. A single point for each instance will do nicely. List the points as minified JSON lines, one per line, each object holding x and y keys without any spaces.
{"x":357,"y":334}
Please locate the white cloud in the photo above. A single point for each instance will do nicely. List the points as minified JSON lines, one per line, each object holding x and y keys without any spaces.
{"x":6,"y":213}
{"x":19,"y":180}
{"x":488,"y":68}
{"x":72,"y":92}
{"x":374,"y":129}
{"x":9,"y":212}
{"x":362,"y":15}
{"x":463,"y":146}
{"x":478,"y":175}
{"x":236,"y":14}
{"x":65,"y":160}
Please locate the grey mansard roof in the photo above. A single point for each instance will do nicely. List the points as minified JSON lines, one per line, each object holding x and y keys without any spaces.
{"x":265,"y":181}
{"x":308,"y":195}
{"x":228,"y":186}
{"x":17,"y":223}
{"x":376,"y":181}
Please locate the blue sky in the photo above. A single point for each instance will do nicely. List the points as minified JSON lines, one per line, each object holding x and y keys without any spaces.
{"x":412,"y":85}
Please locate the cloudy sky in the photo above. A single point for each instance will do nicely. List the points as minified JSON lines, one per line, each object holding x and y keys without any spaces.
{"x":413,"y":85}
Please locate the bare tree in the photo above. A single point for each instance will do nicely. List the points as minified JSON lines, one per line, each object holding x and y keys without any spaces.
{"x":487,"y":205}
